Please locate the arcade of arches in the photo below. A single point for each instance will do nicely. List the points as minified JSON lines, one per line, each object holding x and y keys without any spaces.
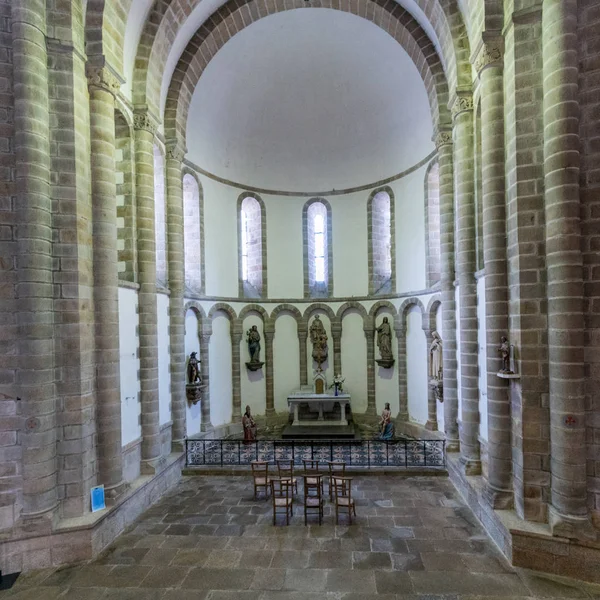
{"x":177,"y":171}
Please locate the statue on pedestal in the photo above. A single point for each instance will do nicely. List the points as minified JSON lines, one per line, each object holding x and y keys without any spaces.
{"x":193,"y":388}
{"x":249,"y":426}
{"x":504,"y":350}
{"x":253,"y":339}
{"x":384,"y":343}
{"x":318,"y":338}
{"x":386,"y":428}
{"x":436,"y":371}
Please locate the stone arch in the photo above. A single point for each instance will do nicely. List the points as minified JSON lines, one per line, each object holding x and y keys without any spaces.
{"x":289,"y":308}
{"x":351,"y":305}
{"x":260,"y":283}
{"x":376,"y":283}
{"x":311,"y":308}
{"x":226,"y":308}
{"x":382,"y":304}
{"x":434,"y":303}
{"x":403,"y":310}
{"x":196,"y":307}
{"x":310,"y":287}
{"x":215,"y":32}
{"x":256,"y":308}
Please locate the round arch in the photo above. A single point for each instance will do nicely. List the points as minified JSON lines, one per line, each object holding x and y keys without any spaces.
{"x":382,"y":304}
{"x":351,"y":305}
{"x":286,"y":308}
{"x":224,"y":307}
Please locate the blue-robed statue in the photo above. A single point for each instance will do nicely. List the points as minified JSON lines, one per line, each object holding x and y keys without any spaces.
{"x":385,"y":424}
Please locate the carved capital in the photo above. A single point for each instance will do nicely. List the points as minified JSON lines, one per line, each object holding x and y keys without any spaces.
{"x":490,"y":52}
{"x":143,"y":120}
{"x":176,"y":150}
{"x":460,"y":103}
{"x":442,"y":137}
{"x":103,"y":78}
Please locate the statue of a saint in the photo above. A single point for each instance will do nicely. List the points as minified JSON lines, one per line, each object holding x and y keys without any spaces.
{"x":193,"y":369}
{"x":318,"y":338}
{"x":435,"y":357}
{"x":253,"y":339}
{"x":384,"y":339}
{"x":504,"y":350}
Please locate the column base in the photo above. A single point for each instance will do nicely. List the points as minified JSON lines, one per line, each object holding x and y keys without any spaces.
{"x":431,"y":425}
{"x":452,"y":445}
{"x":499,"y":499}
{"x":402,"y":416}
{"x":156,"y":465}
{"x":114,"y":492}
{"x":236,"y":419}
{"x":371,"y":410}
{"x":569,"y":526}
{"x":470,"y":466}
{"x":206,"y":426}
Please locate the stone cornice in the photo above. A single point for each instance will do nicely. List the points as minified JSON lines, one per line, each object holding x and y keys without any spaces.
{"x":145,"y":121}
{"x":461,"y":102}
{"x":489,"y":52}
{"x":103,"y":77}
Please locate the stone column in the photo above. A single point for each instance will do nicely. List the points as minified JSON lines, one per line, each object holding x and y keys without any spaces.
{"x":176,"y":259}
{"x":431,"y":399}
{"x":236,"y":371}
{"x":568,"y":511}
{"x":34,"y":293}
{"x":103,"y":85}
{"x":302,"y":341}
{"x":369,"y":330}
{"x":466,"y":257}
{"x":205,"y":334}
{"x":402,"y":371}
{"x":489,"y":65}
{"x":336,"y":334}
{"x":269,"y":333}
{"x":145,"y":129}
{"x":443,"y":142}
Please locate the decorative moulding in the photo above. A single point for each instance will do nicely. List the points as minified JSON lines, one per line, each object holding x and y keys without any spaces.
{"x":386,"y":363}
{"x":254,"y":366}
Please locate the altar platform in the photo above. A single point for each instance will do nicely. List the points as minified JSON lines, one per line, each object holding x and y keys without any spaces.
{"x":304,"y":432}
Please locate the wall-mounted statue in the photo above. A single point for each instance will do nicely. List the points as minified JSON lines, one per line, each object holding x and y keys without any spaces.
{"x":318,"y":338}
{"x":193,"y":369}
{"x":193,"y":387}
{"x":253,"y":339}
{"x":435,"y":358}
{"x":504,"y":350}
{"x":384,"y":343}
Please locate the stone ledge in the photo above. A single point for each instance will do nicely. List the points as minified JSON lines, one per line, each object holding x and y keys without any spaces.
{"x":245,"y":471}
{"x":81,"y":539}
{"x":526,"y":544}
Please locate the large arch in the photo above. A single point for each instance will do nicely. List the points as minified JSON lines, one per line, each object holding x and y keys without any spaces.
{"x":231,"y":19}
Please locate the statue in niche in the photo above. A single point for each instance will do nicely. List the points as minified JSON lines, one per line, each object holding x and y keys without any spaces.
{"x":193,"y":369}
{"x":435,"y":358}
{"x":504,"y":350}
{"x":386,"y":427}
{"x":193,"y":388}
{"x":249,"y":426}
{"x":253,"y":339}
{"x":384,"y":343}
{"x":318,"y":338}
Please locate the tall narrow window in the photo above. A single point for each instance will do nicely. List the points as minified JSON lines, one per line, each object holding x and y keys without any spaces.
{"x":432,"y":223}
{"x":160,"y":218}
{"x":380,"y":209}
{"x":192,"y":233}
{"x":252,"y":250}
{"x":317,"y":249}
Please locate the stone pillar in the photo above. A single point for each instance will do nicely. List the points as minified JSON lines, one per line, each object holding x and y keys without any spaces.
{"x":489,"y":65}
{"x":302,"y":341}
{"x":431,"y":399}
{"x":145,"y":129}
{"x":568,"y":511}
{"x":34,"y":293}
{"x":443,"y":142}
{"x":369,"y":330}
{"x":205,"y":334}
{"x":466,"y":264}
{"x":269,"y":333}
{"x":400,"y":330}
{"x":236,"y":371}
{"x":176,"y":259}
{"x":103,"y":85}
{"x":336,"y":334}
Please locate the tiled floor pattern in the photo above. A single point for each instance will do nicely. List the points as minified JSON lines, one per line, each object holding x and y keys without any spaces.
{"x":413,"y":538}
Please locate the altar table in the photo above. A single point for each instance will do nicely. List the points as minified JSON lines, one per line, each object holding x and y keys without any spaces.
{"x":321,"y":402}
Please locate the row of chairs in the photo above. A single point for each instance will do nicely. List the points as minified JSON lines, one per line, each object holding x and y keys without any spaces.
{"x":284,"y":485}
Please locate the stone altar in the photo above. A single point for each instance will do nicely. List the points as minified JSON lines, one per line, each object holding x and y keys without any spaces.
{"x":318,"y":403}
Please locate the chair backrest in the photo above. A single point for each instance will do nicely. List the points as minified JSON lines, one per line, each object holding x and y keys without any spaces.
{"x":260,"y":468}
{"x":342,"y":487}
{"x":337,"y":467}
{"x":313,"y":485}
{"x":281,"y":488}
{"x":285,"y":468}
{"x":311,"y":465}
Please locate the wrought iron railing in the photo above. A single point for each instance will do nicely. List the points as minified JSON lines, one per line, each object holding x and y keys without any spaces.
{"x":356,"y":453}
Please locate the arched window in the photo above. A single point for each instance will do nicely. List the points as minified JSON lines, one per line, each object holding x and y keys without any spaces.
{"x":252,"y":247}
{"x":380,"y":210}
{"x":160,"y":221}
{"x":192,"y":233}
{"x":318,"y":275}
{"x":432,"y":223}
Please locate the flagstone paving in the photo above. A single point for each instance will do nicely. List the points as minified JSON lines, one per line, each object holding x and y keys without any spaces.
{"x":413,"y":538}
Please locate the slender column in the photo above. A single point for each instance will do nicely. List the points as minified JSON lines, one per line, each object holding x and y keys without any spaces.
{"x":568,"y":511}
{"x":145,"y":130}
{"x":236,"y":367}
{"x":402,"y":371}
{"x":302,"y":341}
{"x":431,"y":399}
{"x":443,"y":142}
{"x":103,"y":85}
{"x":34,"y":294}
{"x":336,"y":334}
{"x":269,"y":332}
{"x":490,"y":65}
{"x":176,"y":258}
{"x":369,"y":330}
{"x":466,"y":256}
{"x":206,"y":425}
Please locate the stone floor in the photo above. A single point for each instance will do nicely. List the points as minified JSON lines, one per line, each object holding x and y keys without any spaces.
{"x":413,"y":538}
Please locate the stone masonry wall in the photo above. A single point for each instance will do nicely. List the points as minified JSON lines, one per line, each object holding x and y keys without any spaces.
{"x":191,"y":238}
{"x":432,"y":223}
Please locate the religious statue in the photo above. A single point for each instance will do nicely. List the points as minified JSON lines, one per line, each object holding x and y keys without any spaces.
{"x":435,"y":358}
{"x":193,"y":369}
{"x":384,"y":343}
{"x":318,"y":338}
{"x":386,"y":428}
{"x":193,"y":387}
{"x":253,"y":339}
{"x":249,"y":426}
{"x":504,"y":350}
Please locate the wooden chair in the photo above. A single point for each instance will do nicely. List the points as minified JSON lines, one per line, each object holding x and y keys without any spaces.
{"x":336,"y":468}
{"x":282,"y":496}
{"x":342,"y":493}
{"x":285,"y":470}
{"x":260,"y":474}
{"x":311,"y":467}
{"x":313,"y":496}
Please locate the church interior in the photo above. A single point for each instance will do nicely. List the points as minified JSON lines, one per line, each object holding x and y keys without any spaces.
{"x":255,"y":226}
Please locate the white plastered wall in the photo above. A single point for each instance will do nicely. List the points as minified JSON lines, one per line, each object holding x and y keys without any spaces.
{"x":354,"y":359}
{"x":286,"y":360}
{"x":220,"y":371}
{"x":253,"y":383}
{"x":164,"y":358}
{"x":416,"y":359}
{"x":192,"y":344}
{"x":386,"y":380}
